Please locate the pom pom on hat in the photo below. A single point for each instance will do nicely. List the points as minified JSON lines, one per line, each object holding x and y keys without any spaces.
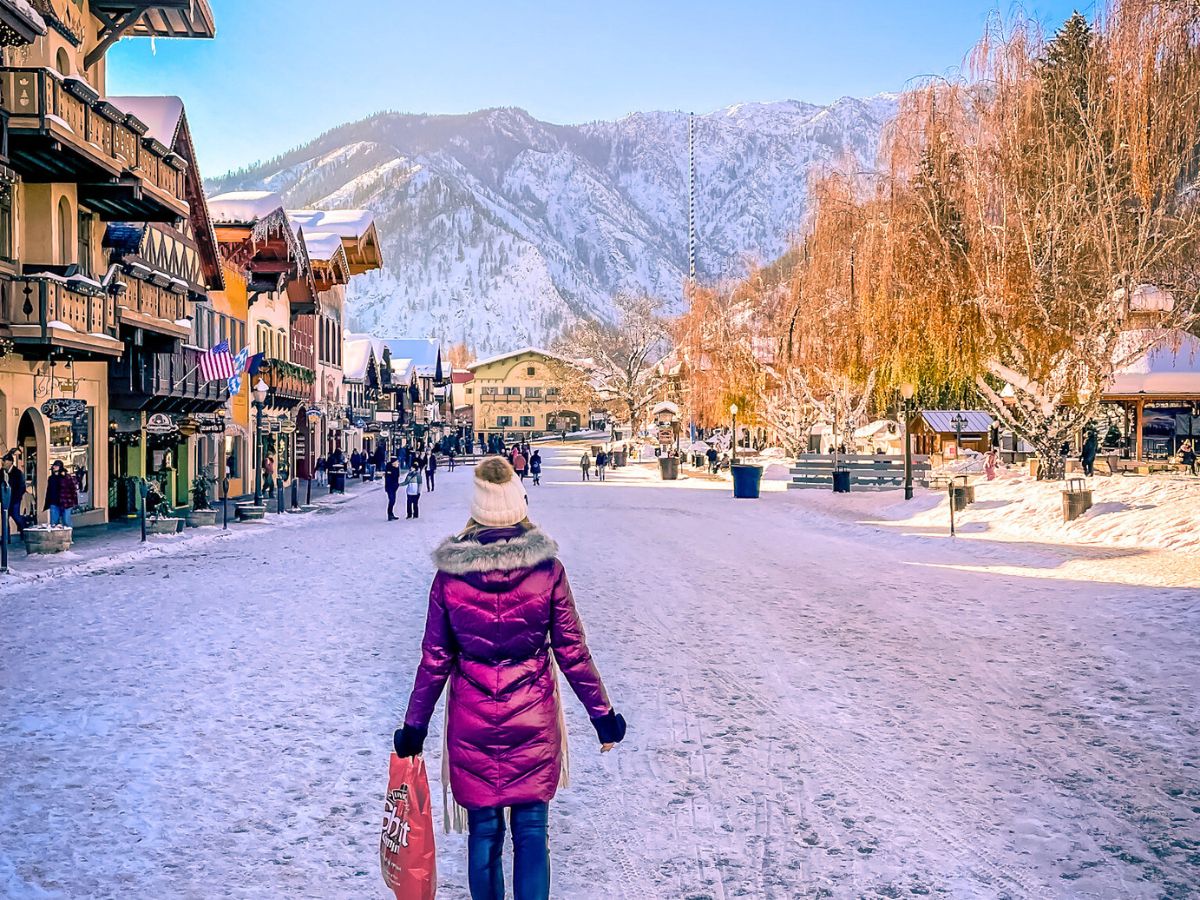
{"x":499,"y":495}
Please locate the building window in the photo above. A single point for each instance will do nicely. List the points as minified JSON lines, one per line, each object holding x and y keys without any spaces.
{"x":62,"y":62}
{"x":64,"y":231}
{"x":503,"y":421}
{"x":490,"y":391}
{"x":533,"y":392}
{"x":283,"y":351}
{"x":6,"y":222}
{"x":470,"y":391}
{"x":526,"y":421}
{"x":85,"y":242}
{"x":512,"y":392}
{"x":530,"y":371}
{"x":553,"y":392}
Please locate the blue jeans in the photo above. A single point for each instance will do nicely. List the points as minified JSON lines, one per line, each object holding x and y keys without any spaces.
{"x":60,"y":515}
{"x":531,"y":852}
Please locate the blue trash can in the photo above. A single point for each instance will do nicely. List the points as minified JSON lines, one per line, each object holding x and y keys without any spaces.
{"x":746,"y":481}
{"x":841,"y":481}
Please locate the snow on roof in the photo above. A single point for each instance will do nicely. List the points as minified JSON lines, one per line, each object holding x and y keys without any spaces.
{"x":346,"y":223}
{"x":1170,"y":367}
{"x":942,"y":420}
{"x":322,"y":245}
{"x":161,"y":115}
{"x":356,"y":354}
{"x":514,"y":353}
{"x":243,"y":206}
{"x":26,"y":11}
{"x":402,"y":370}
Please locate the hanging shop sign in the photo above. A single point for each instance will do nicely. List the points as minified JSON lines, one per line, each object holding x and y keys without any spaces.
{"x":273,"y":426}
{"x":287,"y":426}
{"x":211,"y":425}
{"x":160,"y":423}
{"x":188,"y":426}
{"x":63,"y":409}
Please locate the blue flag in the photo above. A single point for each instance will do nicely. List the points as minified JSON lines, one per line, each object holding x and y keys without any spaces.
{"x":255,"y":363}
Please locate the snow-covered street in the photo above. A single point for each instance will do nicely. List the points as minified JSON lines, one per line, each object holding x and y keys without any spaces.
{"x":818,"y":707}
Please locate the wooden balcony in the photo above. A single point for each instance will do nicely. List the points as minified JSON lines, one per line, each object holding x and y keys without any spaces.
{"x":61,"y":130}
{"x":164,"y":382}
{"x":154,"y":308}
{"x":289,"y":383}
{"x":45,"y":313}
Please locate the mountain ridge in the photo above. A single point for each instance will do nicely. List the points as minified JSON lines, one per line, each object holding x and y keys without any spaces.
{"x":499,"y":229}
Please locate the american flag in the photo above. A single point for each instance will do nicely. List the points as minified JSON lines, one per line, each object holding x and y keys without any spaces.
{"x":217,"y":363}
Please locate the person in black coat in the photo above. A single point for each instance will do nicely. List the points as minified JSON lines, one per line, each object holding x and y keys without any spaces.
{"x":535,"y":466}
{"x":430,"y":468}
{"x":391,"y":484}
{"x":1091,"y":444}
{"x":380,"y":457}
{"x":16,"y":483}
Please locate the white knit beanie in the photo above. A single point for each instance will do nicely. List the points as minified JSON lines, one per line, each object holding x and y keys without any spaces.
{"x":499,"y":495}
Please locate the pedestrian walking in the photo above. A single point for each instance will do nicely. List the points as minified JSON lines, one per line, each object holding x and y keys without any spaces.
{"x":601,"y":463}
{"x":412,"y":492}
{"x":269,"y":474}
{"x":1087,"y":456}
{"x":450,"y":460}
{"x":713,"y":458}
{"x":989,"y":464}
{"x":391,"y":484}
{"x":62,"y":495}
{"x":16,"y":485}
{"x":535,"y":466}
{"x":501,"y":623}
{"x":430,"y":468}
{"x":321,"y":468}
{"x":520,"y":463}
{"x":1187,"y":454}
{"x":585,"y":465}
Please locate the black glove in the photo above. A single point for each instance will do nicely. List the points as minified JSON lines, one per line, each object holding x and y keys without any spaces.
{"x":610,"y":727}
{"x":409,"y":740}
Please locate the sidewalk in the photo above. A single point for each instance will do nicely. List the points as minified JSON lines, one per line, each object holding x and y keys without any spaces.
{"x":116,"y":542}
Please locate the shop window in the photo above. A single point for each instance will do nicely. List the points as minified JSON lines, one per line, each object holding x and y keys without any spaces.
{"x":71,"y":442}
{"x":526,"y":421}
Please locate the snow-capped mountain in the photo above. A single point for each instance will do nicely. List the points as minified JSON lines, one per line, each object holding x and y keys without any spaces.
{"x":500,"y":230}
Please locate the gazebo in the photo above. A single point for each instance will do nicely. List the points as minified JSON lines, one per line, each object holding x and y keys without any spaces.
{"x":1159,"y":393}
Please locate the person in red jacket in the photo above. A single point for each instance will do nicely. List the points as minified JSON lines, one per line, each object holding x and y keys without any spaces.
{"x":62,"y":494}
{"x":501,"y":623}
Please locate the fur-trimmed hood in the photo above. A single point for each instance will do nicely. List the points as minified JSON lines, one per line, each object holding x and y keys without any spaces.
{"x":464,"y":556}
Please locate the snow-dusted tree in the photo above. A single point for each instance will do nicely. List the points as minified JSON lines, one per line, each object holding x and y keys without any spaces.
{"x":617,"y":364}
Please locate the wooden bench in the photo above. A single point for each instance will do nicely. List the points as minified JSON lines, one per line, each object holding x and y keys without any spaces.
{"x":874,"y":473}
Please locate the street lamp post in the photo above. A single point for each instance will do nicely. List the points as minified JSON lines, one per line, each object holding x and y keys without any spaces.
{"x":907,"y":390}
{"x":959,"y":422}
{"x":260,"y":403}
{"x":733,"y":411}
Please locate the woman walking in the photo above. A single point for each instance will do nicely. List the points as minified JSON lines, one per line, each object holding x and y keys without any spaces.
{"x":501,"y":615}
{"x":412,"y":491}
{"x":585,"y":464}
{"x":519,"y":462}
{"x":535,"y":466}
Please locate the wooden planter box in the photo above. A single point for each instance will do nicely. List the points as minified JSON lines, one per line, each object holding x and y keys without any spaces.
{"x":201,"y":518}
{"x":164,"y":525}
{"x":47,"y":540}
{"x":248,"y":512}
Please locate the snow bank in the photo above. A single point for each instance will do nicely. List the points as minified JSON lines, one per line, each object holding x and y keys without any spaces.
{"x":1130,"y":512}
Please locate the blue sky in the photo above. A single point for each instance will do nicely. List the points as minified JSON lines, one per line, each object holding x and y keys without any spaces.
{"x":282,"y":71}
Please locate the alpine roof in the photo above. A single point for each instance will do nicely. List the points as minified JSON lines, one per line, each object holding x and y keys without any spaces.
{"x":942,"y":420}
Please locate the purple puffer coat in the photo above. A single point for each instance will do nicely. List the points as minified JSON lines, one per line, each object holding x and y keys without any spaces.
{"x":500,"y":603}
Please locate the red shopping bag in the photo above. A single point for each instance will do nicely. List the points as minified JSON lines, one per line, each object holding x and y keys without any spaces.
{"x":407,"y":855}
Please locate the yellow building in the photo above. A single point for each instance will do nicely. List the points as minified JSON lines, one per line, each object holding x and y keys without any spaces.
{"x":519,"y":395}
{"x":76,"y":162}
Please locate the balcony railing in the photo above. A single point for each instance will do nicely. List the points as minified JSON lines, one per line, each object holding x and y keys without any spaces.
{"x":165,"y":382}
{"x":62,"y":130}
{"x":289,"y":383}
{"x":64,"y":312}
{"x":152,"y":300}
